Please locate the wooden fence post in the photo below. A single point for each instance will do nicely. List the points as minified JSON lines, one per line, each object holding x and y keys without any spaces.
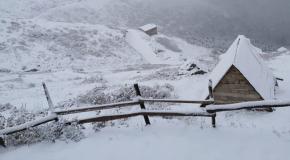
{"x":138,"y":93}
{"x":2,"y":142}
{"x":210,"y":91}
{"x":49,"y":101}
{"x":213,"y":120}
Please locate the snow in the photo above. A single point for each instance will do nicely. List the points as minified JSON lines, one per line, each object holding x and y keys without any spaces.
{"x":106,"y":56}
{"x":162,"y":141}
{"x":77,"y":52}
{"x":245,"y":105}
{"x":245,"y":57}
{"x":28,"y":124}
{"x":53,"y":46}
{"x":282,"y":49}
{"x":239,"y":135}
{"x":147,"y":27}
{"x":90,"y":108}
{"x":138,"y":41}
{"x":158,"y":112}
{"x":61,"y":85}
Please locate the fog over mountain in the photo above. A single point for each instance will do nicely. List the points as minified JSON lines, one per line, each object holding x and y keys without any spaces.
{"x":211,"y":23}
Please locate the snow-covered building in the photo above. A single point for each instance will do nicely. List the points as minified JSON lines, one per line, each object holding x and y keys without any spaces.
{"x":150,"y":29}
{"x":241,"y":75}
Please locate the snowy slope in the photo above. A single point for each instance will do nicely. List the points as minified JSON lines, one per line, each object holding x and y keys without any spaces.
{"x":50,"y":46}
{"x":139,"y":41}
{"x":251,"y":135}
{"x":62,"y":54}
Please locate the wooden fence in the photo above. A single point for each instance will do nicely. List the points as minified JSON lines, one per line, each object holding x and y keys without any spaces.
{"x":54,"y":114}
{"x":209,"y":111}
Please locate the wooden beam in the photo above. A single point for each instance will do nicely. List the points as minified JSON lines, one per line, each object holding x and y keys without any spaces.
{"x":49,"y":101}
{"x":142,"y":105}
{"x":210,"y":89}
{"x":96,"y":108}
{"x":279,"y":79}
{"x":27,"y":125}
{"x":125,"y":104}
{"x":247,"y":105}
{"x":142,"y":113}
{"x":213,"y":121}
{"x":177,"y":101}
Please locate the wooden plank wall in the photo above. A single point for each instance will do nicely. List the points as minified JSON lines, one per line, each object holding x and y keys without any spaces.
{"x":234,"y":88}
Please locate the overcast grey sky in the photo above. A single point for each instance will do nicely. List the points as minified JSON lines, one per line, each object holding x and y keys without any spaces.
{"x":216,"y":22}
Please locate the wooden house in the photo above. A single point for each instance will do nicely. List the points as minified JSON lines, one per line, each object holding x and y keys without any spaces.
{"x":241,"y":75}
{"x":149,"y":29}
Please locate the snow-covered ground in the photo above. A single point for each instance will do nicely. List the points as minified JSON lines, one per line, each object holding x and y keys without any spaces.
{"x":73,"y":58}
{"x":239,"y":134}
{"x":164,"y":141}
{"x":54,"y":43}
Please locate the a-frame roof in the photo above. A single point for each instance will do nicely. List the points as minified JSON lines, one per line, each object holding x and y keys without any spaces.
{"x":246,"y":58}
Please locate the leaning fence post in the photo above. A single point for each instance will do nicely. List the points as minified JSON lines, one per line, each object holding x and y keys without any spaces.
{"x":49,"y":101}
{"x":138,"y":93}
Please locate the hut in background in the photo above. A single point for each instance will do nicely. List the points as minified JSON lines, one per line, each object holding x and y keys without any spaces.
{"x":149,"y":29}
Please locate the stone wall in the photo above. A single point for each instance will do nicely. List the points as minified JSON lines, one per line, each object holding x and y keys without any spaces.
{"x":234,"y":88}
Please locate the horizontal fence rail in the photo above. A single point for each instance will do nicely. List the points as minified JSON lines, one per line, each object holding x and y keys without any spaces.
{"x":139,"y":100}
{"x":142,"y":113}
{"x":206,"y":102}
{"x":210,"y":111}
{"x":27,"y":125}
{"x":126,"y":104}
{"x":96,"y":108}
{"x":248,"y":105}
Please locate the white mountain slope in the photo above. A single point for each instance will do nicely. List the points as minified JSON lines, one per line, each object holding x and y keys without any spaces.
{"x":139,"y":41}
{"x":51,"y":46}
{"x":54,"y":46}
{"x":250,"y":135}
{"x":62,"y":54}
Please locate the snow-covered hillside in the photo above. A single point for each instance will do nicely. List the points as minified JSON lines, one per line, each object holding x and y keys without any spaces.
{"x":66,"y":54}
{"x":90,"y":52}
{"x":202,"y":22}
{"x":50,"y":46}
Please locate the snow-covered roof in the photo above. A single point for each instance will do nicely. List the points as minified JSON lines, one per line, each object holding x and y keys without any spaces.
{"x":282,"y":49}
{"x":246,"y":58}
{"x":147,"y":27}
